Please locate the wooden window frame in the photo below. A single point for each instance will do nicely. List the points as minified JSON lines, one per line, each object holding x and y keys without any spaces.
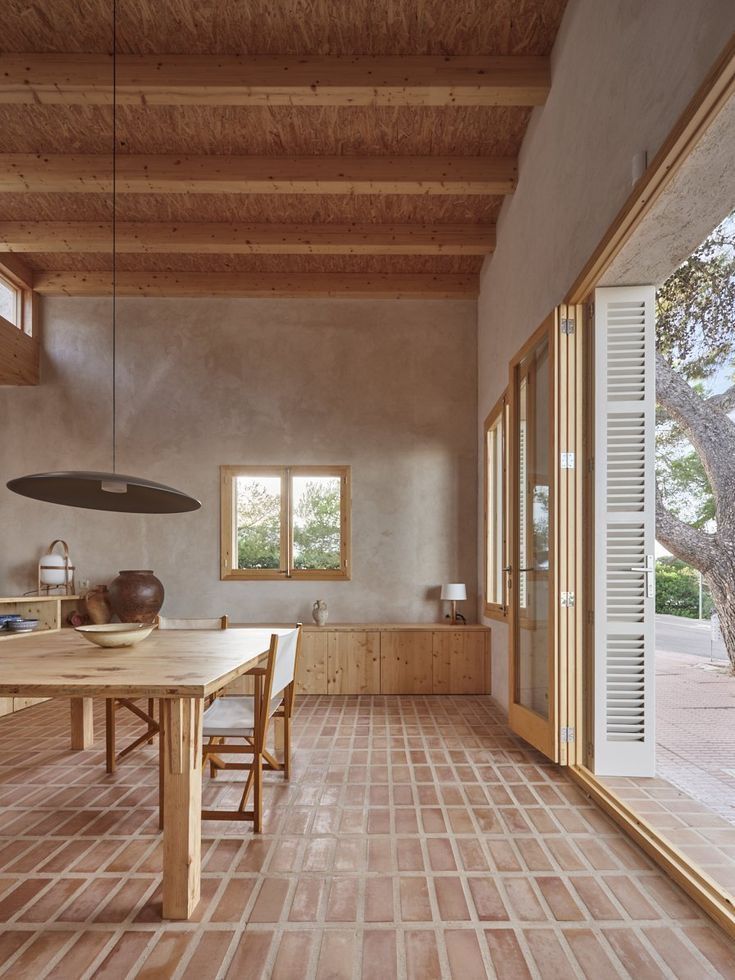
{"x":286,"y":572}
{"x":497,"y":416}
{"x":16,"y":277}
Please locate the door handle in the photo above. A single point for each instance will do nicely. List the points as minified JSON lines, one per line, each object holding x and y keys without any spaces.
{"x":649,"y":570}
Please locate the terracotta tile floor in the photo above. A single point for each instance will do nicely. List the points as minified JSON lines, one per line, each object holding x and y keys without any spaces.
{"x":418,"y":838}
{"x":691,"y":826}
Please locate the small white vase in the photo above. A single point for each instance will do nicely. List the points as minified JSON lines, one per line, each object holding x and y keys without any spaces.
{"x":319,"y":612}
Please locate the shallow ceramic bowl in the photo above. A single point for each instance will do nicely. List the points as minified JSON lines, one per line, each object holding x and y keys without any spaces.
{"x":116,"y":634}
{"x":22,"y":625}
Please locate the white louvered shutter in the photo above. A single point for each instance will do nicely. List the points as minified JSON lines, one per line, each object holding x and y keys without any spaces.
{"x":625,"y":528}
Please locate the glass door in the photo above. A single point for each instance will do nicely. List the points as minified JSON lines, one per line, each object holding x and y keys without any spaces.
{"x":531,"y":571}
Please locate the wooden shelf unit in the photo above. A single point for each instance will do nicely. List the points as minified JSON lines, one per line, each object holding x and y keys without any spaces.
{"x":51,"y":612}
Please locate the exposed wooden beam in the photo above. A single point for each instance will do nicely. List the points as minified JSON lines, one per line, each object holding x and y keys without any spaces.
{"x":16,"y":271}
{"x":79,"y":79}
{"x":258,"y":284}
{"x":43,"y":173}
{"x":223,"y":237}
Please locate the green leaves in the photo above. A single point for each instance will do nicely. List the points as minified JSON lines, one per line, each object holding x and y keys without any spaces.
{"x":677,"y":590}
{"x":695,"y":307}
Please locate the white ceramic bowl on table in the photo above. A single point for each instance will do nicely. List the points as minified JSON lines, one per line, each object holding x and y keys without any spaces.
{"x":116,"y":634}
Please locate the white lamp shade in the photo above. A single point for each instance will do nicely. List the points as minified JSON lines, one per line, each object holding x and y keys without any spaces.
{"x":58,"y":573}
{"x":454,"y":591}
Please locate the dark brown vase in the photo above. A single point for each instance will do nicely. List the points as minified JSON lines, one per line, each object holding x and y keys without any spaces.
{"x":136,"y":596}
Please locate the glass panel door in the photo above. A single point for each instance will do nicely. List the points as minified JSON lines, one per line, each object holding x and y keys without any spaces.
{"x":532,"y":572}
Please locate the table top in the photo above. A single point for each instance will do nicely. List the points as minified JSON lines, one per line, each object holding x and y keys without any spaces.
{"x":168,"y":664}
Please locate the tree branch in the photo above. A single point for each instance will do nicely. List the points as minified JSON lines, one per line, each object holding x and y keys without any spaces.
{"x":724,"y":401}
{"x":685,"y":542}
{"x":710,"y":431}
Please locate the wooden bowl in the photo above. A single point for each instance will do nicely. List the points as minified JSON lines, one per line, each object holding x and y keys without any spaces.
{"x":116,"y":634}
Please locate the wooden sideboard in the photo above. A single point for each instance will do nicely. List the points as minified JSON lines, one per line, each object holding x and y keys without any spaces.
{"x":394,"y":658}
{"x":51,"y":612}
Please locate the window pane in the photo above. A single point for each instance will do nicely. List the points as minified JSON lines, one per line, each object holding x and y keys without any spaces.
{"x":8,"y":302}
{"x":317,"y":525}
{"x":258,"y":516}
{"x":534,"y":484}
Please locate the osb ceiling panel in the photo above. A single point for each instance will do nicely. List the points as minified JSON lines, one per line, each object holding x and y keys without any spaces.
{"x":299,"y":27}
{"x":399,"y":264}
{"x":266,"y":131}
{"x":288,"y":208}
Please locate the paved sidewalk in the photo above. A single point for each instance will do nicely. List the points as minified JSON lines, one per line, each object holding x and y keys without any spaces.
{"x":691,"y":802}
{"x":695,"y":729}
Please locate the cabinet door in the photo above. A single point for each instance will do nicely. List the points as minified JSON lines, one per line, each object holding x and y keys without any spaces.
{"x":354,"y":663}
{"x":406,"y":662}
{"x":460,"y":662}
{"x":20,"y":703}
{"x":6,"y":706}
{"x":311,"y":670}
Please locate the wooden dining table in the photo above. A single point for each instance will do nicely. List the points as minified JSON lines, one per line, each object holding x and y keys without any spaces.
{"x":180,"y":668}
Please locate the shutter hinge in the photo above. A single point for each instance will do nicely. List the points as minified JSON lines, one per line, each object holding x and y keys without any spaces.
{"x":567,"y":600}
{"x":591,"y":464}
{"x":591,"y":311}
{"x":567,"y":735}
{"x":567,"y":461}
{"x":590,"y":617}
{"x":567,"y":325}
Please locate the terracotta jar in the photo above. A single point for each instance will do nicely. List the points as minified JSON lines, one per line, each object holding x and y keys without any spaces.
{"x":97,"y":605}
{"x":136,"y":596}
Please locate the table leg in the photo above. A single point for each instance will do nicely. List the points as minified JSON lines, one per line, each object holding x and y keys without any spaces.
{"x":182,"y":798}
{"x":82,"y":723}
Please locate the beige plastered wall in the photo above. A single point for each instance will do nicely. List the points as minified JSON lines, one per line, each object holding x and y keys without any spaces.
{"x":388,"y":387}
{"x":622,"y":72}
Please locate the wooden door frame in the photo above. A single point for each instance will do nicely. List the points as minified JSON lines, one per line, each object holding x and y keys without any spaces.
{"x":714,"y":93}
{"x":534,"y":728}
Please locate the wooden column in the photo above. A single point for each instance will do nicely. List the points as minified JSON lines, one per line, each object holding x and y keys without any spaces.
{"x":182,"y":796}
{"x":82,"y":723}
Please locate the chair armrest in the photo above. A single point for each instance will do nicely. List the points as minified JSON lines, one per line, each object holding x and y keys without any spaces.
{"x":256,"y":672}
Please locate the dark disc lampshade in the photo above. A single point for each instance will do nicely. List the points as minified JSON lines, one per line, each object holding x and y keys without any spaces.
{"x":104,"y":491}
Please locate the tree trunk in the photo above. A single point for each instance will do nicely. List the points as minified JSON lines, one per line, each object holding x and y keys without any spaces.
{"x":722,"y":588}
{"x":712,"y":433}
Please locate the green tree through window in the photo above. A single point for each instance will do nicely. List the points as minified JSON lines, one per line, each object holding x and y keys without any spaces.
{"x":282,"y":522}
{"x":258,"y":506}
{"x":316,"y":522}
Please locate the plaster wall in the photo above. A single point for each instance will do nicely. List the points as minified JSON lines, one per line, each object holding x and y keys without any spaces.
{"x":387,"y":387}
{"x":622,"y":73}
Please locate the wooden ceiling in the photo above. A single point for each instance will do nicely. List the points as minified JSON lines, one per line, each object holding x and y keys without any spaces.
{"x":265,"y":147}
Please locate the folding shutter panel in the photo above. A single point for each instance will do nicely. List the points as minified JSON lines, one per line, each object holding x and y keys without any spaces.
{"x":625,"y":529}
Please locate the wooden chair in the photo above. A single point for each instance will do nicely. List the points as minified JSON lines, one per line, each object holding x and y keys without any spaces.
{"x":152,"y":726}
{"x":247,"y":719}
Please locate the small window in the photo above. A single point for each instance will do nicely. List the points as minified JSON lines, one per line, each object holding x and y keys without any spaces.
{"x":285,"y":522}
{"x":495,"y":498}
{"x":11,"y":305}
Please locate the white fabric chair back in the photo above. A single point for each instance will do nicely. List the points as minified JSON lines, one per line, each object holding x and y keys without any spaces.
{"x":218,"y":623}
{"x":285,"y":665}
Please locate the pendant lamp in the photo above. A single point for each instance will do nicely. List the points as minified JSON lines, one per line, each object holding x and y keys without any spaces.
{"x":96,"y":490}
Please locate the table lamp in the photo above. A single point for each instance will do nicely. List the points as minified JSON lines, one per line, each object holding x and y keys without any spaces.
{"x":454,"y":592}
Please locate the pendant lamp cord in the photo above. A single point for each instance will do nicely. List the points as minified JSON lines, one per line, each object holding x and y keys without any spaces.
{"x":114,"y":236}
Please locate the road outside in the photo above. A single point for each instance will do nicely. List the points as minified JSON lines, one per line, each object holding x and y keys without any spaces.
{"x":695,"y":714}
{"x":676,"y":634}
